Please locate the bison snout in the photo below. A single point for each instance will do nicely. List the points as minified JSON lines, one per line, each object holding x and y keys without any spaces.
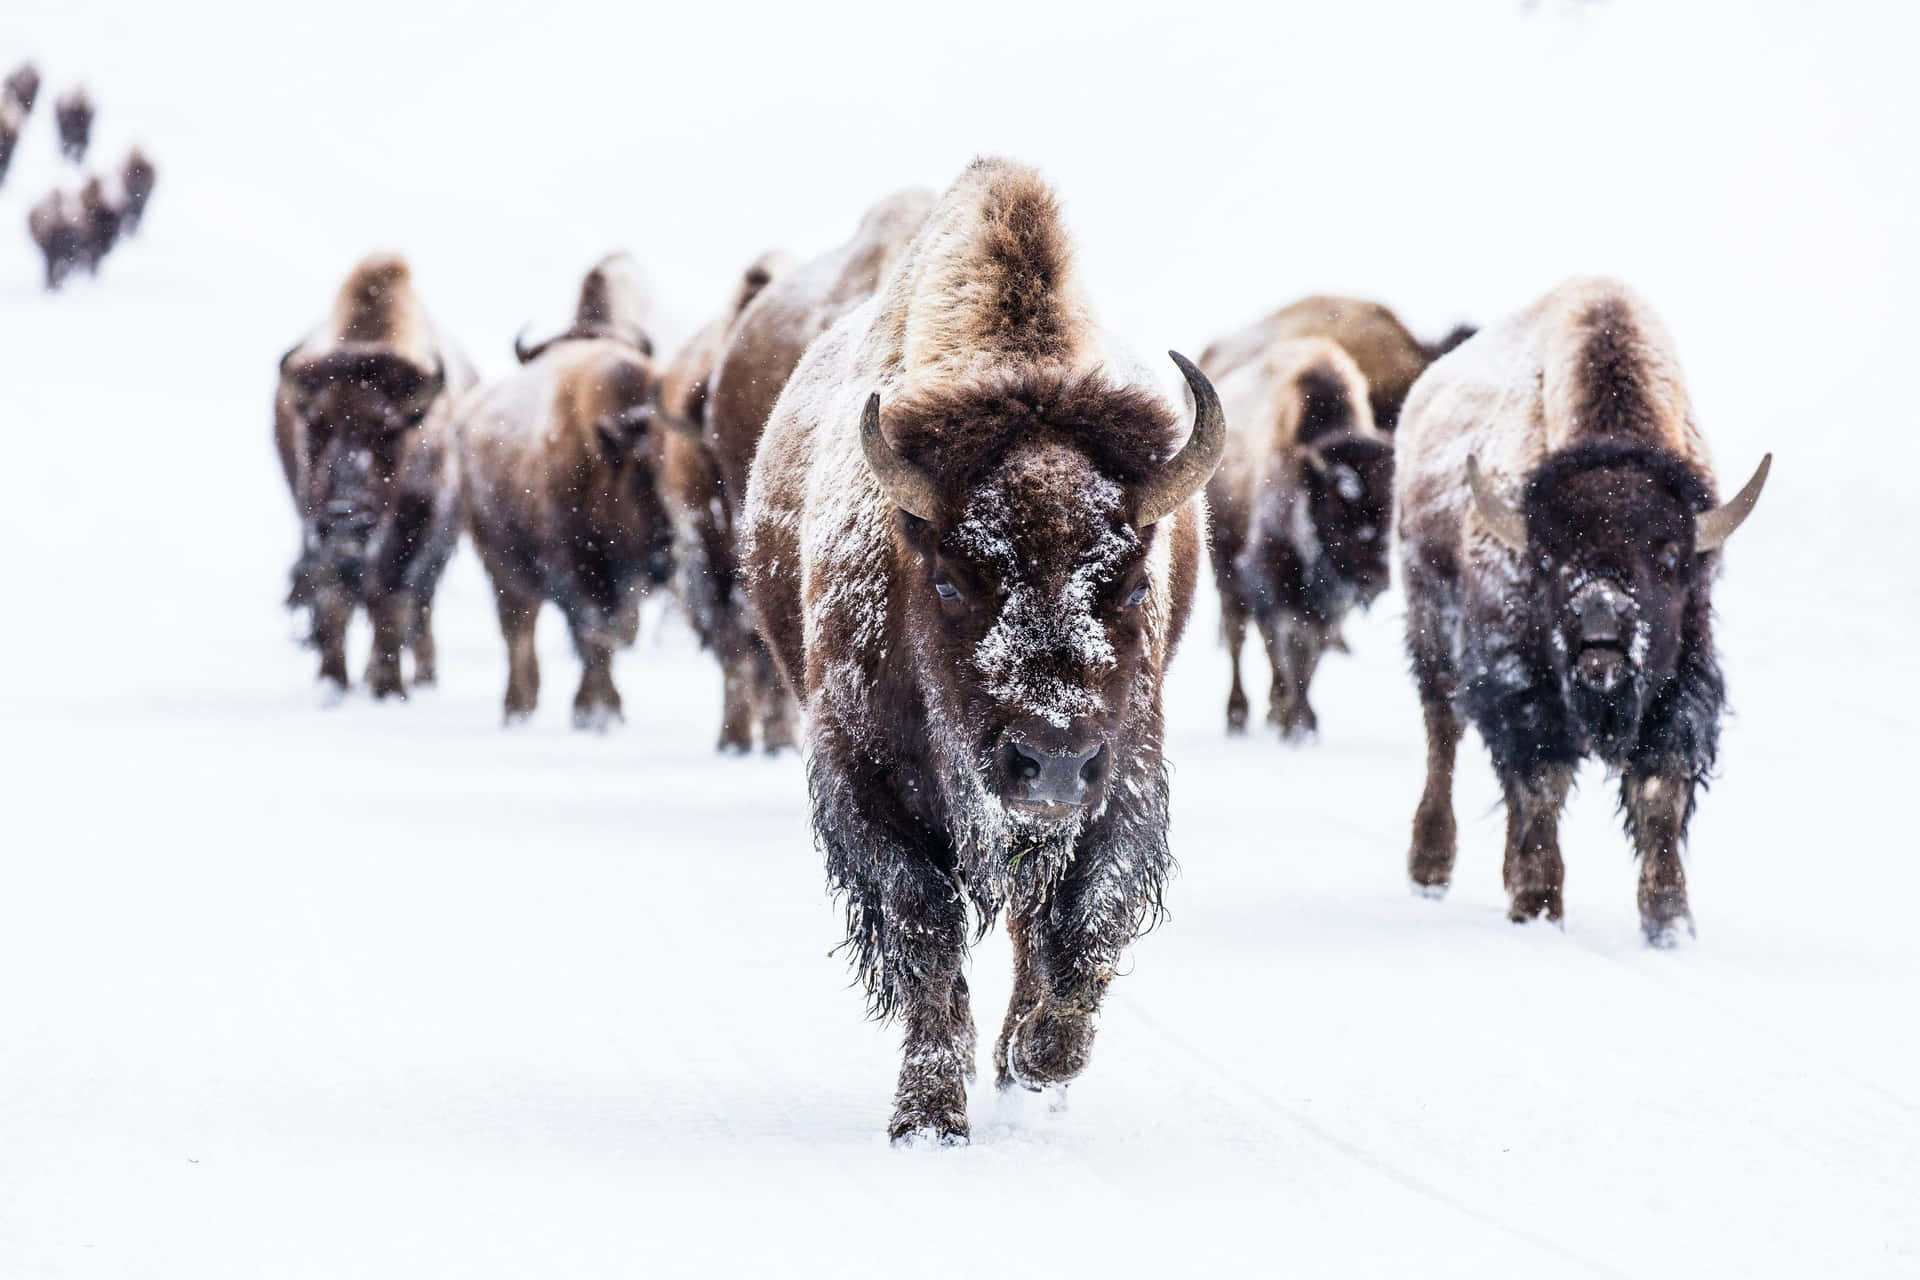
{"x":1050,"y":774}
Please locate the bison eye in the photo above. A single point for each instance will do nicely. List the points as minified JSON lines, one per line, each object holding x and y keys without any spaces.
{"x":1136,"y":596}
{"x":945,"y":589}
{"x":1670,"y":558}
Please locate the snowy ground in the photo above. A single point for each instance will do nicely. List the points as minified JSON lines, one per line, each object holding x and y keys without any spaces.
{"x":387,"y":991}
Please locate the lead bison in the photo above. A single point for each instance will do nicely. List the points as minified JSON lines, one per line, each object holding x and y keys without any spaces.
{"x":1388,"y":354}
{"x":1559,"y":536}
{"x":973,"y":535}
{"x":761,"y":352}
{"x":362,"y":424}
{"x":1298,"y":515}
{"x":706,"y":567}
{"x":562,"y":460}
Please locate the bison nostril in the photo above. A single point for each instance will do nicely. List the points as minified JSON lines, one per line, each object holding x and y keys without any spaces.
{"x":1026,"y":763}
{"x":1090,"y":769}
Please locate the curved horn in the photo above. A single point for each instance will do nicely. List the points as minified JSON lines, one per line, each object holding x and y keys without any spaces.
{"x":680,"y":424}
{"x":1713,"y":528}
{"x":1188,"y":471}
{"x":906,"y":486}
{"x":522,"y":352}
{"x":1505,"y":523}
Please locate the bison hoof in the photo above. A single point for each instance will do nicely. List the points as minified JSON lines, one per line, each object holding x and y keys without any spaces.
{"x":910,"y":1133}
{"x":1237,"y":714}
{"x":1433,"y":891}
{"x":1529,"y":906}
{"x":1666,"y":935}
{"x":598,"y":717}
{"x":386,"y":685}
{"x":1044,"y":1049}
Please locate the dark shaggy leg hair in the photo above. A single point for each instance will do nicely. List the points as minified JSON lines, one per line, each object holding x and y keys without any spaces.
{"x":1533,"y":871}
{"x":1678,"y":744}
{"x":392,"y":617}
{"x":1430,"y":629}
{"x":332,"y":609}
{"x":906,"y":927}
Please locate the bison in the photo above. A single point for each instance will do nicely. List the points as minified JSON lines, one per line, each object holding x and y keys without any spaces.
{"x":561,"y":462}
{"x":99,"y":225}
{"x":1389,"y":356}
{"x":706,"y":568}
{"x":22,"y":86}
{"x":760,"y":353}
{"x":73,"y":114}
{"x":1298,"y":515}
{"x":363,"y":427}
{"x":59,"y":227}
{"x":12,"y":120}
{"x":136,"y":187}
{"x":1559,"y":535}
{"x":973,"y":533}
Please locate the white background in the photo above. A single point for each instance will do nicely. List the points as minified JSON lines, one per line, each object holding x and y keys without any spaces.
{"x":387,"y":991}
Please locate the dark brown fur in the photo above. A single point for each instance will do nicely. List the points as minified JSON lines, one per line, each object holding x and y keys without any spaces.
{"x":59,"y":229}
{"x":100,"y":225}
{"x":23,"y":86}
{"x":137,"y":177}
{"x":12,"y":120}
{"x":73,"y":113}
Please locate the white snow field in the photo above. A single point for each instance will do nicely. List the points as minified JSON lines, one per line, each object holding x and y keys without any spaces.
{"x":289,"y":990}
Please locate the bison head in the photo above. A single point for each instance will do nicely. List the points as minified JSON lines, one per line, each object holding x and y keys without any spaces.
{"x":1620,"y":535}
{"x":1348,"y":483}
{"x":1028,"y":508}
{"x":358,"y":409}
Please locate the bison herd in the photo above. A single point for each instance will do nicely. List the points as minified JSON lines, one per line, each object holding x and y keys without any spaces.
{"x":933,"y":519}
{"x":73,"y":229}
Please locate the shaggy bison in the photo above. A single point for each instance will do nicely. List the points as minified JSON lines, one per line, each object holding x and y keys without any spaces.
{"x":973,"y":533}
{"x":12,"y":120}
{"x":136,"y":185}
{"x":362,"y":423}
{"x":562,"y":460}
{"x":1298,"y":515}
{"x":1389,"y":356}
{"x":99,"y":225}
{"x":760,"y":353}
{"x":1559,"y":535}
{"x":22,"y":86}
{"x":58,"y":226}
{"x":73,"y":114}
{"x":707,"y":570}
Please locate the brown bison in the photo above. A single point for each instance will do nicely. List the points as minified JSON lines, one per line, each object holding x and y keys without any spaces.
{"x":1298,"y":515}
{"x":973,"y":532}
{"x":760,"y":353}
{"x":12,"y":120}
{"x":1389,"y":356}
{"x":562,"y":460}
{"x":22,"y":86}
{"x":136,"y":186}
{"x":73,"y":114}
{"x":362,"y":423}
{"x":58,"y":226}
{"x":706,"y":570}
{"x":1559,"y":534}
{"x":99,"y":225}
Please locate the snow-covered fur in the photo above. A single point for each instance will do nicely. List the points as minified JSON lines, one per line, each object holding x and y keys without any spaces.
{"x":1028,"y":618}
{"x":706,"y":570}
{"x":1596,"y":640}
{"x":760,"y":353}
{"x":613,"y":305}
{"x":362,"y":422}
{"x":1298,"y":514}
{"x":1389,"y":356}
{"x":562,"y":460}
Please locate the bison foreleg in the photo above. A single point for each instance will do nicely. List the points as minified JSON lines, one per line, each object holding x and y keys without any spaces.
{"x":332,"y":609}
{"x":597,"y":704}
{"x":1533,"y":870}
{"x":392,"y":626}
{"x":425,"y":666}
{"x":1658,"y":802}
{"x":771,"y":701}
{"x":1048,"y":1033}
{"x":518,"y":614}
{"x":1430,"y":861}
{"x":1233,"y":633}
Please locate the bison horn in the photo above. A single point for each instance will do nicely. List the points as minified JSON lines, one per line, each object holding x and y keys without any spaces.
{"x":1712,"y":528}
{"x":1190,"y":469}
{"x":521,"y":351}
{"x":1506,"y":524}
{"x":906,"y":485}
{"x":680,"y":424}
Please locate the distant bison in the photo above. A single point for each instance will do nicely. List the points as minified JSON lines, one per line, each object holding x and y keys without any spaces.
{"x":136,"y":187}
{"x":22,"y":86}
{"x":12,"y":120}
{"x":760,"y":353}
{"x":973,"y":532}
{"x":1559,"y":535}
{"x":363,"y":428}
{"x":73,"y":114}
{"x":1298,"y":515}
{"x":58,"y":226}
{"x":1389,"y":356}
{"x":611,"y":305}
{"x":562,"y":460}
{"x":100,"y":225}
{"x":706,"y":569}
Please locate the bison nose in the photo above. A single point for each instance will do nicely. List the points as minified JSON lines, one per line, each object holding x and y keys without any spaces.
{"x":1603,"y":616}
{"x":1051,"y":777}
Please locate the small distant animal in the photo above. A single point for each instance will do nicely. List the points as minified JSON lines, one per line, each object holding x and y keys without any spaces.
{"x":1298,"y":515}
{"x":73,"y":113}
{"x":100,"y":225}
{"x":58,"y":225}
{"x":12,"y":119}
{"x":1389,"y":356}
{"x":22,"y":85}
{"x":363,"y":425}
{"x":560,"y":462}
{"x":136,"y":188}
{"x":1559,"y":535}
